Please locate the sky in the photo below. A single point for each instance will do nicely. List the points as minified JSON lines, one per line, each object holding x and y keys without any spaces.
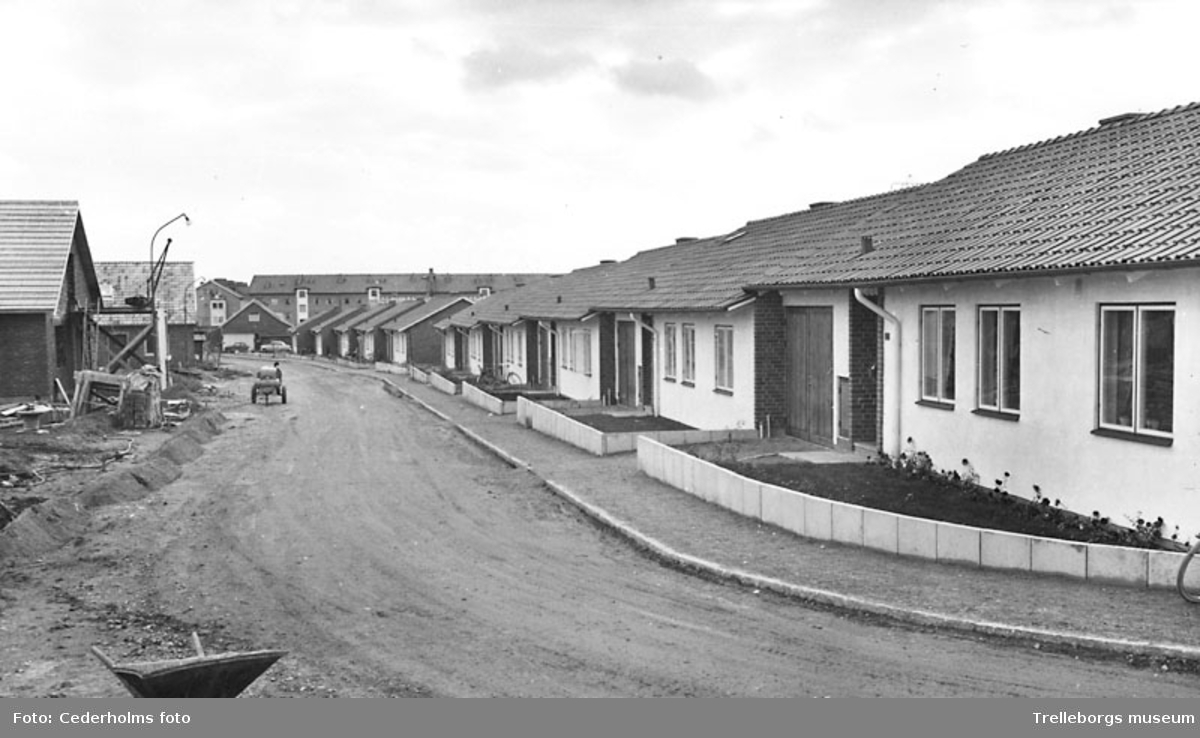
{"x":377,"y":136}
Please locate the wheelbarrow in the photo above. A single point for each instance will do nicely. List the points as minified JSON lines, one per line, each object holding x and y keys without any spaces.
{"x":202,"y":675}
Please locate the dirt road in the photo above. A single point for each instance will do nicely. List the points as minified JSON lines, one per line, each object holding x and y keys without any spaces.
{"x":392,"y":557}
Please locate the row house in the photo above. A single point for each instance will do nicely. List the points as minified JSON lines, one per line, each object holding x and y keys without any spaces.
{"x":412,"y":338}
{"x":1031,"y":317}
{"x":299,"y":297}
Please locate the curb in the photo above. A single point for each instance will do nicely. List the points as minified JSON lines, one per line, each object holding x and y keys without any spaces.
{"x":826,"y":598}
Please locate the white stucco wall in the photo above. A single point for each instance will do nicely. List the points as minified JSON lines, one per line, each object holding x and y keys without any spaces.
{"x":366,"y":346}
{"x":513,"y":364}
{"x":576,"y":384}
{"x":1052,"y":444}
{"x":701,"y":405}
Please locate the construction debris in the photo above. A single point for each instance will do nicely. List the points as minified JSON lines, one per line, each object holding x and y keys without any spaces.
{"x":135,"y":398}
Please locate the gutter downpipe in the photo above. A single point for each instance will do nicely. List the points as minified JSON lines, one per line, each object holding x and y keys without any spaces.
{"x":654,"y":338}
{"x":895,"y":363}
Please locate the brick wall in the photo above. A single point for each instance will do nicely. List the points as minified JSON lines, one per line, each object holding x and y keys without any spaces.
{"x":866,"y":374}
{"x":770,"y":361}
{"x":27,"y":361}
{"x":608,"y":356}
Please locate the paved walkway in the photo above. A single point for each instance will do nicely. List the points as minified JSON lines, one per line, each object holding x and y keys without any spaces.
{"x":1041,"y":610}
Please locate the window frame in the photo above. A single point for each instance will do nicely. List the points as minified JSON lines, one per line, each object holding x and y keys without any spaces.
{"x":1000,"y":370}
{"x":945,"y":393}
{"x":723,"y":358}
{"x":687,"y":335}
{"x":670,"y":352}
{"x":1137,"y":427}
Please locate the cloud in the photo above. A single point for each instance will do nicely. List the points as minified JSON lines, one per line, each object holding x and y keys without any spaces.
{"x":666,"y":78}
{"x":488,"y":69}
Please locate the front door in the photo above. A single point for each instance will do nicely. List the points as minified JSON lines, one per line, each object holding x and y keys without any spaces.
{"x":626,"y":364}
{"x":810,"y":373}
{"x":460,"y":350}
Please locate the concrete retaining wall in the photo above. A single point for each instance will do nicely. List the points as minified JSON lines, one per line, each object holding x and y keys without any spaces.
{"x":827,"y":520}
{"x":418,"y":375}
{"x":438,"y":382}
{"x":557,"y":424}
{"x":493,"y":405}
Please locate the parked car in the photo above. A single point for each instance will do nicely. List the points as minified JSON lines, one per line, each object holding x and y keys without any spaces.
{"x":277,"y":347}
{"x":268,"y":381}
{"x":237,"y":348}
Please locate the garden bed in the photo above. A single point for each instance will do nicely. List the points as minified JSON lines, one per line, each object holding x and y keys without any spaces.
{"x":607,"y":423}
{"x":920,"y":493}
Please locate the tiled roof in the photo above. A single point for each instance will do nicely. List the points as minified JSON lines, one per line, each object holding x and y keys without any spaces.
{"x":339,"y":322}
{"x":431,"y":307}
{"x":317,"y":322}
{"x":378,"y":317}
{"x":35,"y":242}
{"x":1123,"y":194}
{"x":566,"y":297}
{"x":409,"y":284}
{"x":176,"y":288}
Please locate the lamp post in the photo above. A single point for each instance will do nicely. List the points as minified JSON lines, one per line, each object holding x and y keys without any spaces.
{"x":150,"y":278}
{"x":158,"y":316}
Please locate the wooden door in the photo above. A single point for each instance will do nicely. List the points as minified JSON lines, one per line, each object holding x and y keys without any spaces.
{"x":626,"y":364}
{"x":810,"y":373}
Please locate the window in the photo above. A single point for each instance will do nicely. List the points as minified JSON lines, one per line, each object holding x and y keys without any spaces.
{"x":581,"y":351}
{"x":372,"y":294}
{"x":1000,"y":359}
{"x":1137,"y":368}
{"x":669,"y":362}
{"x":301,"y":295}
{"x":688,"y":335}
{"x":253,"y":317}
{"x":724,"y":357}
{"x":217,"y":312}
{"x":937,"y":354}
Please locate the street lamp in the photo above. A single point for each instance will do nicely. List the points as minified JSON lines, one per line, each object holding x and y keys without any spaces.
{"x":150,"y":278}
{"x":158,"y":317}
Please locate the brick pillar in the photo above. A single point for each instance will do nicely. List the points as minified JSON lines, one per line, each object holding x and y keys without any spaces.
{"x":770,"y":362}
{"x":866,"y":374}
{"x":608,"y":356}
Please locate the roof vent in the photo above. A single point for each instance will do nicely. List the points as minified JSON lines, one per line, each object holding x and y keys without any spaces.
{"x":866,"y":245}
{"x":822,"y":204}
{"x":685,"y":239}
{"x":650,"y":281}
{"x":559,"y":299}
{"x":1122,"y":118}
{"x":608,"y":261}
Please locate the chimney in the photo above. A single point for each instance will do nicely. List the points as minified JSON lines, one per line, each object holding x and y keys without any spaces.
{"x":430,"y":280}
{"x":651,"y":282}
{"x":866,"y":245}
{"x":1122,"y":118}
